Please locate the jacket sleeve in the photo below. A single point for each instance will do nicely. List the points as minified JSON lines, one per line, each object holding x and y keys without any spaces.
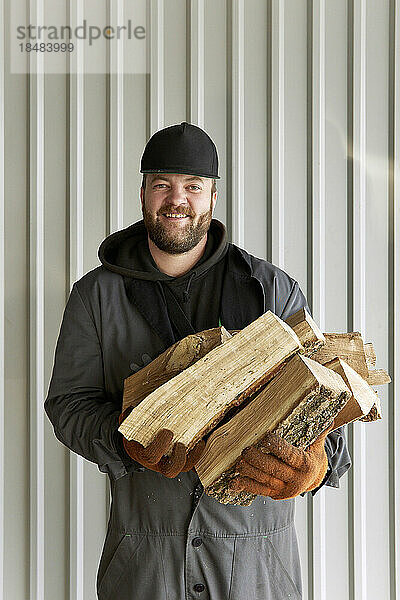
{"x":339,"y":460}
{"x":83,"y":418}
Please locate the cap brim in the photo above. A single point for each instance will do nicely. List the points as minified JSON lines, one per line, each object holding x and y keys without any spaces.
{"x":180,"y":172}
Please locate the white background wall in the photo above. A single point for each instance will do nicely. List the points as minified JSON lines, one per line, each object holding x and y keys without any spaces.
{"x":303,"y":101}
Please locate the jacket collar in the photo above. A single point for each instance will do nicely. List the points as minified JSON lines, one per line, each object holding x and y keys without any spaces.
{"x":148,"y":299}
{"x":243,"y":298}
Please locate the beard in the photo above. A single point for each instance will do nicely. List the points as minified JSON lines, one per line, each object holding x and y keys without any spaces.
{"x":182,"y":240}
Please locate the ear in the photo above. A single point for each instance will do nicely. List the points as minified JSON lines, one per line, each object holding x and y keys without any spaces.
{"x":214,"y":197}
{"x":142,"y":196}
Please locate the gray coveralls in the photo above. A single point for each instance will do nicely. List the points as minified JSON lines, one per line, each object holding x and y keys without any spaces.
{"x":166,"y":539}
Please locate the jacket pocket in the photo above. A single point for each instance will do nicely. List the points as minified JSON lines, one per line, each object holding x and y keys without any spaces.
{"x":259,"y":571}
{"x":283,"y":578}
{"x":118,"y":566}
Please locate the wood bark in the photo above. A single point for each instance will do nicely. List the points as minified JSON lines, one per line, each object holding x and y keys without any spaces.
{"x":374,"y":414}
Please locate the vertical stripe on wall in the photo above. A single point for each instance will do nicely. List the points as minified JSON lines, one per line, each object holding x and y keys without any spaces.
{"x":195,"y":30}
{"x":278,"y":133}
{"x":317,"y":236}
{"x":394,"y":295}
{"x":268,"y":135}
{"x":36,"y":311}
{"x":396,"y":300}
{"x":75,"y":268}
{"x":156,"y":65}
{"x":115,"y":121}
{"x":357,"y":434}
{"x":316,"y":274}
{"x":2,"y":306}
{"x":237,"y":122}
{"x":350,"y":266}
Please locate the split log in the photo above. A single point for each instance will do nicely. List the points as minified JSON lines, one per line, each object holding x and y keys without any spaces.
{"x":175,"y":359}
{"x":347,"y":346}
{"x":362,"y":398}
{"x":378,"y":377}
{"x":298,"y":404}
{"x":187,"y":351}
{"x":359,"y":356}
{"x":196,"y":399}
{"x":306,"y":329}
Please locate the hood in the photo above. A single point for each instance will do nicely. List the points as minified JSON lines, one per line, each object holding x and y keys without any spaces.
{"x":122,"y":252}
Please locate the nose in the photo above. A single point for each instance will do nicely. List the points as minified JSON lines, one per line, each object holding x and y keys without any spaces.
{"x":177,"y":195}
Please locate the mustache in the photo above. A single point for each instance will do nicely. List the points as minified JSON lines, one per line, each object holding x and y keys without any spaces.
{"x":176,"y":210}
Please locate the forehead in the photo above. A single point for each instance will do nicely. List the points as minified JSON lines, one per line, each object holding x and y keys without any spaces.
{"x":176,"y":177}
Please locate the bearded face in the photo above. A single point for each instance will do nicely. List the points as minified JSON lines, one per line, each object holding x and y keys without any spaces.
{"x":177,"y":212}
{"x":174,"y":234}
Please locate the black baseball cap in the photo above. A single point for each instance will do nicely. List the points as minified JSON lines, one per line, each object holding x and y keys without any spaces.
{"x":183,"y":148}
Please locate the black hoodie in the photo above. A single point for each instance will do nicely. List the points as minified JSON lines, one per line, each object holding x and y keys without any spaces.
{"x":193,"y":299}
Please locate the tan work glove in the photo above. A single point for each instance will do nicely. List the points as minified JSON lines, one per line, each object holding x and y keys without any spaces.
{"x":152,"y":456}
{"x":279,"y":469}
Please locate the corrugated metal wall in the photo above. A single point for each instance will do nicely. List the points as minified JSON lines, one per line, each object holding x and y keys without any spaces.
{"x":303,"y":101}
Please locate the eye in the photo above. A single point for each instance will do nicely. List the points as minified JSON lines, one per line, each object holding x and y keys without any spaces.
{"x":157,"y":185}
{"x":195,"y":187}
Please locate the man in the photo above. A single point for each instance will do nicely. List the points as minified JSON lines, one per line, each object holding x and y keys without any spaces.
{"x":162,"y":278}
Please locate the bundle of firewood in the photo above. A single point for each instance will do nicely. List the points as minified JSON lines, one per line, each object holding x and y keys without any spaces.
{"x":232,"y":387}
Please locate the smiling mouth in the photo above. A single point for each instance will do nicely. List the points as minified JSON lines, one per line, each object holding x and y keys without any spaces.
{"x":174,"y":216}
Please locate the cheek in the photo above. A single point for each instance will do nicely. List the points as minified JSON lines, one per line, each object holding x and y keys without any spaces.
{"x":202,"y":205}
{"x":152,"y":203}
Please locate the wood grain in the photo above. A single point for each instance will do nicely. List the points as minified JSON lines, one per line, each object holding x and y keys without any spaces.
{"x":172,"y":361}
{"x":196,"y":399}
{"x":348,"y":346}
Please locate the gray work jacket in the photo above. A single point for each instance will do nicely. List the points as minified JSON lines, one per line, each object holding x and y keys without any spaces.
{"x":166,"y":539}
